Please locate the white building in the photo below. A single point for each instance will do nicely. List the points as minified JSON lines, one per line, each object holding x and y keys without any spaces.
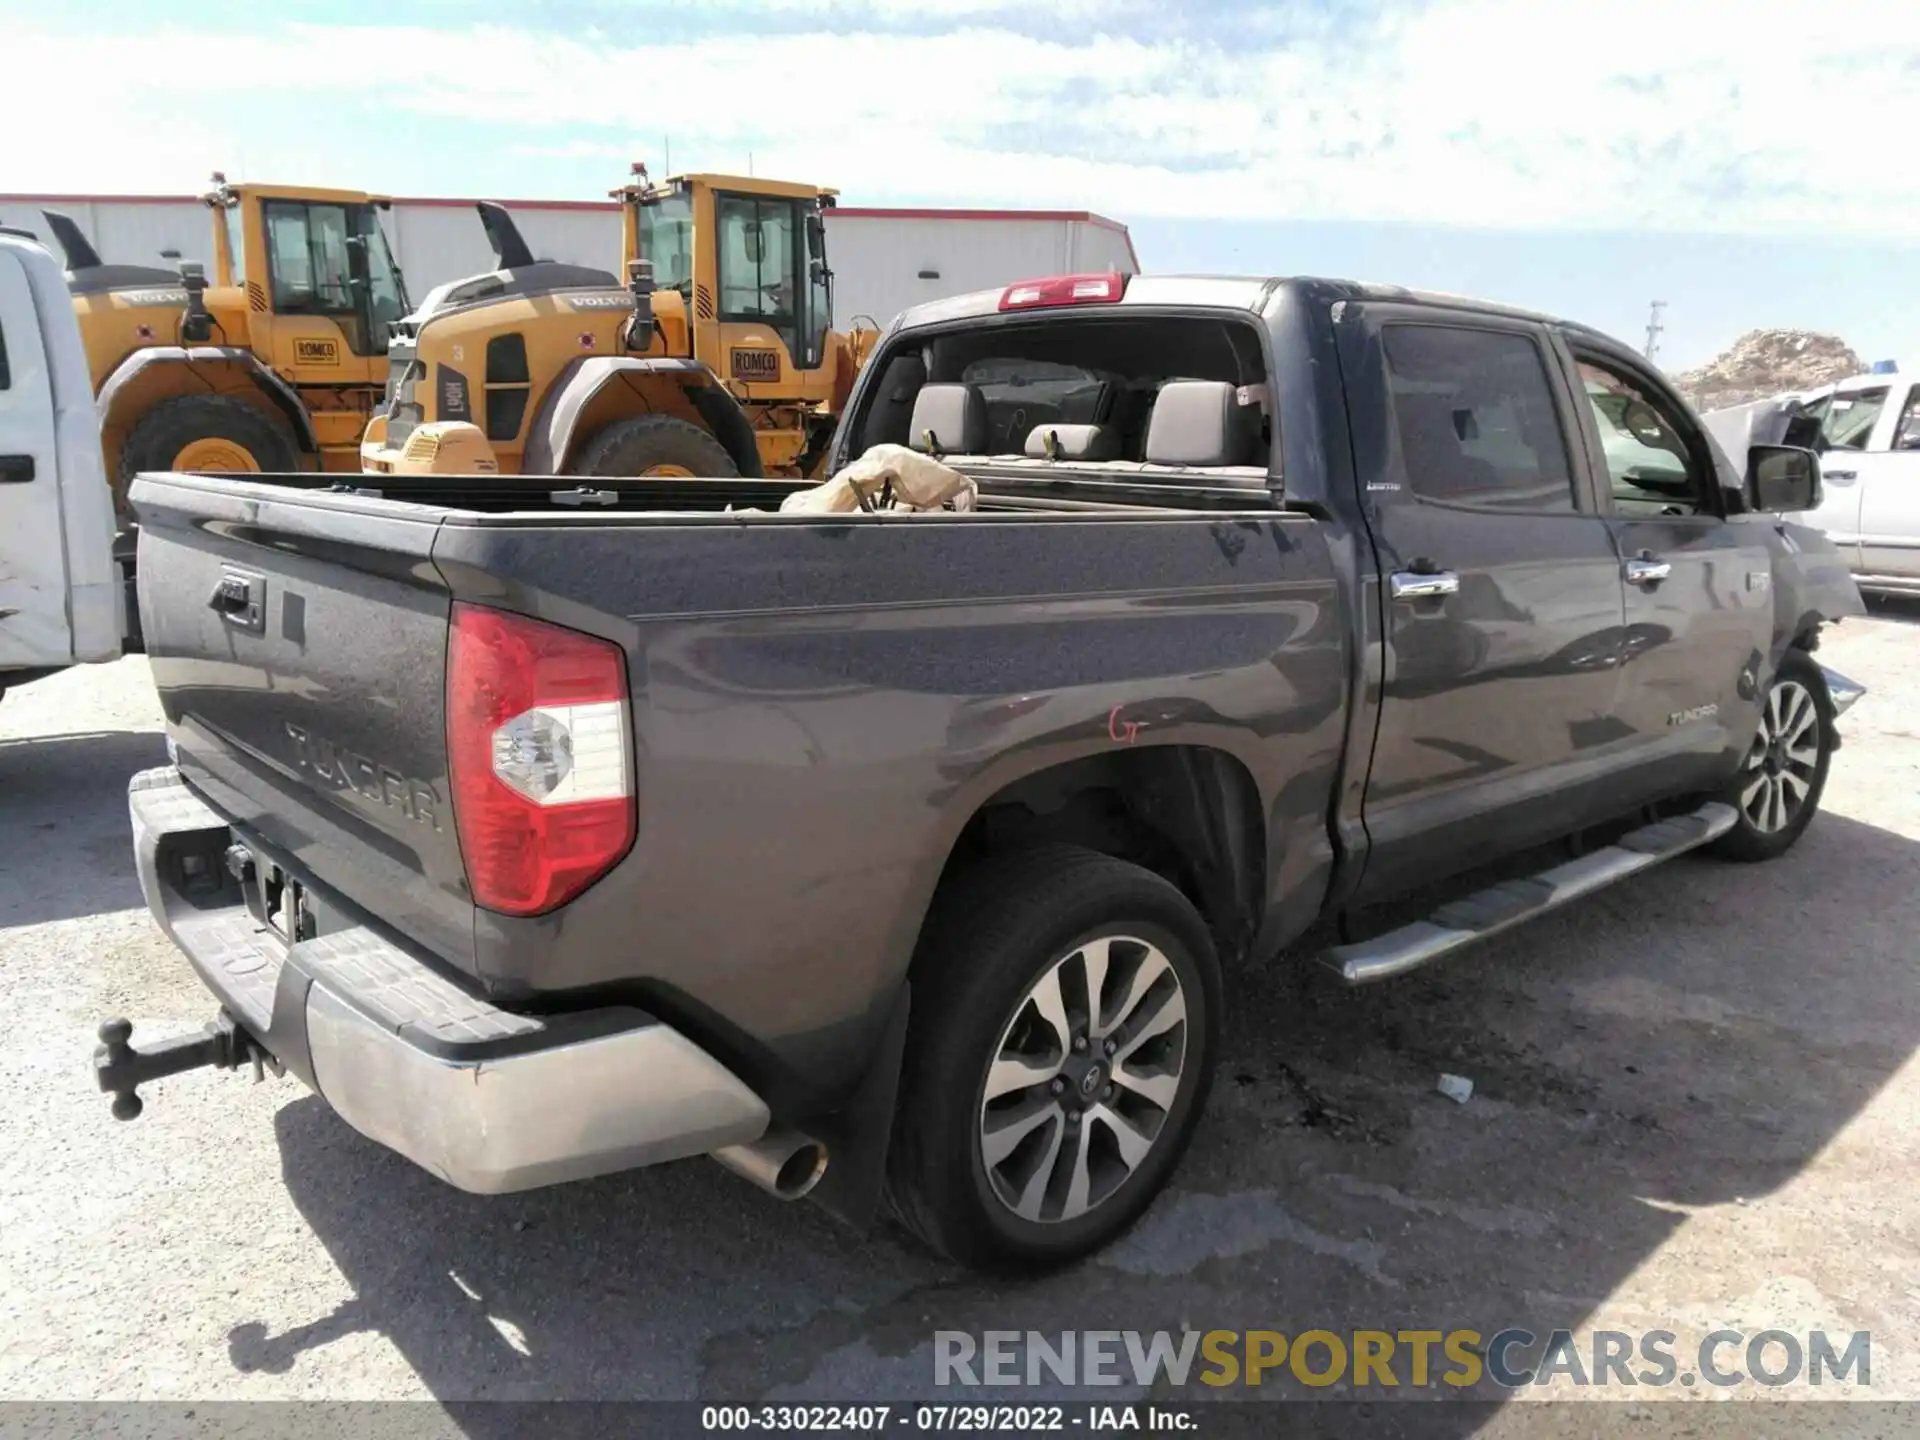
{"x":883,"y":259}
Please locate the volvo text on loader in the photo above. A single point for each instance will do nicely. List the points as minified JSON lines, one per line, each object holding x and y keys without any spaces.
{"x":717,"y":358}
{"x":272,"y":363}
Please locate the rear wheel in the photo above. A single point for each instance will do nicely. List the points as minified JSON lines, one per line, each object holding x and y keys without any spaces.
{"x":1060,"y":1052}
{"x":1778,"y":786}
{"x":208,"y":433}
{"x":658,"y":445}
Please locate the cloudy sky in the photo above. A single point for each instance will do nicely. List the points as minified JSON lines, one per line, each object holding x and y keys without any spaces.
{"x":1749,"y":163}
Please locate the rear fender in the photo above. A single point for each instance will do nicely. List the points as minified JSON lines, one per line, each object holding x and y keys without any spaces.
{"x":597,"y":389}
{"x":162,"y":372}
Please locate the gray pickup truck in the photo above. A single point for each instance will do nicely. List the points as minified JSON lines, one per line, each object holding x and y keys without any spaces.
{"x":909,"y":858}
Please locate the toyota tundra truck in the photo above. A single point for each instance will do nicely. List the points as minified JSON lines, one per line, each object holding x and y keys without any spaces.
{"x":908,"y":859}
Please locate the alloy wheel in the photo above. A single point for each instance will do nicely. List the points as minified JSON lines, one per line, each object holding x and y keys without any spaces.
{"x":1083,"y":1078}
{"x":1783,"y":759}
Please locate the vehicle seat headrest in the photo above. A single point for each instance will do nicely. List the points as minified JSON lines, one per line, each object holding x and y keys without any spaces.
{"x":1073,"y":442}
{"x":949,"y":420}
{"x":1201,"y":422}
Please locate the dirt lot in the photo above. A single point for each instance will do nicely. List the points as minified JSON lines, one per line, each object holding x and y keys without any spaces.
{"x":1697,"y":1105}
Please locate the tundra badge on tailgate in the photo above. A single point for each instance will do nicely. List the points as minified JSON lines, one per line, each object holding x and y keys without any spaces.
{"x":338,"y":766}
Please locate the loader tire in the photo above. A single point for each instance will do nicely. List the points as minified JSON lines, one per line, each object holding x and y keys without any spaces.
{"x":208,"y":433}
{"x":654,"y":445}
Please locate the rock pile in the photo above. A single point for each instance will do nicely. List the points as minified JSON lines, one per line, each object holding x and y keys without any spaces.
{"x":1767,"y":362}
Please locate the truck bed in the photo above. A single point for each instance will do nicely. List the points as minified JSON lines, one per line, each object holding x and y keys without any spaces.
{"x":1007,"y":484}
{"x":819,"y":706}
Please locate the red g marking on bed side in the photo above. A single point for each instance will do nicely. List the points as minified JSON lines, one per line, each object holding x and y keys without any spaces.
{"x":1121,"y":731}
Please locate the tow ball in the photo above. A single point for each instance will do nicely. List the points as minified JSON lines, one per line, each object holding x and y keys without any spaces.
{"x":120,"y":1068}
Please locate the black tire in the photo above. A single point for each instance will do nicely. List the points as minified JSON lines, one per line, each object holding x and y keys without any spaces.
{"x":993,"y":934}
{"x":164,"y":433}
{"x":1750,"y":839}
{"x":633,"y":447}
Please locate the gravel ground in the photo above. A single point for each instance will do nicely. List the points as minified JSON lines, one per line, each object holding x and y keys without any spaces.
{"x":1696,"y":1097}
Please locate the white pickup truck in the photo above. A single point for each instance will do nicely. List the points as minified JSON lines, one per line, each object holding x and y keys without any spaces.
{"x":63,"y":600}
{"x":1870,"y":477}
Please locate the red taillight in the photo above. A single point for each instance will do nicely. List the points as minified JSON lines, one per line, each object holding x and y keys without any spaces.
{"x":1064,"y":290}
{"x":538,"y":752}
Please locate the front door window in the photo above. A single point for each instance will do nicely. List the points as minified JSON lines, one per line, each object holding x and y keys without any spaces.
{"x":332,"y":260}
{"x":1848,"y":417}
{"x":759,"y":265}
{"x":1650,"y":466}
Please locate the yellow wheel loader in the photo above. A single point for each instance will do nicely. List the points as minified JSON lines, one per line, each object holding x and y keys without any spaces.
{"x":717,"y":357}
{"x":274,"y":362}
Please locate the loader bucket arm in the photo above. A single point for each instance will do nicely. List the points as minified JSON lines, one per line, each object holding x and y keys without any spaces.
{"x":504,"y":235}
{"x":80,"y":254}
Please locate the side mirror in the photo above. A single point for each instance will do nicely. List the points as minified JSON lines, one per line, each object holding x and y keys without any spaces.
{"x":1643,"y":423}
{"x":196,"y":325}
{"x":750,"y":242}
{"x":1782,"y":478}
{"x":816,"y":235}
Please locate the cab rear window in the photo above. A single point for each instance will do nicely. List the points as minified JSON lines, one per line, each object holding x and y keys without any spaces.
{"x":1104,"y":371}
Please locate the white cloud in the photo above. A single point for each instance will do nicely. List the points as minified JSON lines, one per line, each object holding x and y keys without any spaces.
{"x":1645,"y":114}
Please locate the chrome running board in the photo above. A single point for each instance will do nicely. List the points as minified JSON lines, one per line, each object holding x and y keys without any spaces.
{"x":1460,"y":923}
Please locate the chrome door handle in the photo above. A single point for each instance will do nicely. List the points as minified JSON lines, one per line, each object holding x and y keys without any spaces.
{"x":1647,"y":571}
{"x":1417,"y":585}
{"x":1840,"y":474}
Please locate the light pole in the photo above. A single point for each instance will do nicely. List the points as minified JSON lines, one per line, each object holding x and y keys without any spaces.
{"x":1654,"y":327}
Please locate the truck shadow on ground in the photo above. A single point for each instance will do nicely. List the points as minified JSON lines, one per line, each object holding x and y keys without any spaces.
{"x":1693,"y":1038}
{"x":63,"y":809}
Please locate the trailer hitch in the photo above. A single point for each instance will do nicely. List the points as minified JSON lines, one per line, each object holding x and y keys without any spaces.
{"x":120,"y":1068}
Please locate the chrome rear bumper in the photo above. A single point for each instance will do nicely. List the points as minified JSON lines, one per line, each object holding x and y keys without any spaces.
{"x":489,"y":1100}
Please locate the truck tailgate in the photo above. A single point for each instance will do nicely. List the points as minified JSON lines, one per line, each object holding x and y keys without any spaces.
{"x":298,"y":642}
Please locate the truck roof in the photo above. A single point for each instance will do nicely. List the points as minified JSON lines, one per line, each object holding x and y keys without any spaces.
{"x":1239,"y":292}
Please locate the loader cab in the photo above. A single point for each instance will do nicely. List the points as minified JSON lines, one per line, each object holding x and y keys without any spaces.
{"x":748,"y":259}
{"x":315,"y":275}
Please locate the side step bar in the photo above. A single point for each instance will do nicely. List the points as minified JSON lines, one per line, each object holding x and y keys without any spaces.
{"x":1500,"y":907}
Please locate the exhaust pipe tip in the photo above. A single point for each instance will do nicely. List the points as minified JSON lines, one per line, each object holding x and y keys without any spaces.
{"x":784,"y":1163}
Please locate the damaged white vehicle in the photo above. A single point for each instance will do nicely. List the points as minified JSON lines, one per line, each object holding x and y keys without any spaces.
{"x":62,"y":597}
{"x":1867,"y":432}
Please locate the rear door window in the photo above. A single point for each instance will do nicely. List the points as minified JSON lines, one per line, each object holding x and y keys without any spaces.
{"x":1906,"y":435}
{"x":1476,"y":420}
